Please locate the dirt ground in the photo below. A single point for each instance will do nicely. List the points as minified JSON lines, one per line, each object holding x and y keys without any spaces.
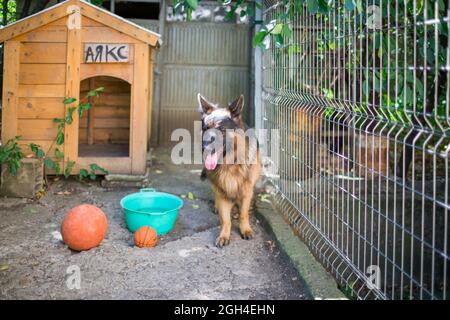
{"x":185,"y":264}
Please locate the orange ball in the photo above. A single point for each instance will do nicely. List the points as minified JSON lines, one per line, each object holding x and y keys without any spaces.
{"x":145,"y":237}
{"x":84,"y":227}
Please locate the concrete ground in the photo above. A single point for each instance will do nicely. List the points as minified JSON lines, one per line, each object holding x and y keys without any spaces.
{"x":185,"y":264}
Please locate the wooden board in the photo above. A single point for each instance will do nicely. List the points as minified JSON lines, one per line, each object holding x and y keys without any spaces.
{"x":75,"y":7}
{"x":36,"y":52}
{"x":118,"y":135}
{"x":42,"y":74}
{"x":36,"y":129}
{"x":27,"y":26}
{"x":114,"y":87}
{"x":139,"y":109}
{"x":42,"y":90}
{"x":150,"y":98}
{"x":59,"y":22}
{"x":140,"y":34}
{"x":102,"y":111}
{"x":113,"y":100}
{"x":102,"y":123}
{"x":105,"y":35}
{"x":87,"y":22}
{"x":72,"y":90}
{"x":45,"y":34}
{"x":10,"y":90}
{"x":121,"y":71}
{"x":40,"y":108}
{"x":113,"y":165}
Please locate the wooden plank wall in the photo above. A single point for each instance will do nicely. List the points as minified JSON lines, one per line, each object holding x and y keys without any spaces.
{"x":41,"y":83}
{"x":39,"y":70}
{"x":42,"y":86}
{"x":111,"y":111}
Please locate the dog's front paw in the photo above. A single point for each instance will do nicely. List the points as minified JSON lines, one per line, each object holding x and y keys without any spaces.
{"x":247,"y":233}
{"x":222,"y":241}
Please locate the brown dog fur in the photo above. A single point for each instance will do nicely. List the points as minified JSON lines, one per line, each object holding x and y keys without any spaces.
{"x":234,"y":183}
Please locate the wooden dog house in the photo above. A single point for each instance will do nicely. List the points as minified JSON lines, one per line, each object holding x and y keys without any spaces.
{"x":64,"y":52}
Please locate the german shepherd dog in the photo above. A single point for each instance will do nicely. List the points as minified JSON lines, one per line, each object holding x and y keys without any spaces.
{"x":232,"y":163}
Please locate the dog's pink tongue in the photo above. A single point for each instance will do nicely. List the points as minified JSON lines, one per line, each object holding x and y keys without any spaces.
{"x":211,"y":161}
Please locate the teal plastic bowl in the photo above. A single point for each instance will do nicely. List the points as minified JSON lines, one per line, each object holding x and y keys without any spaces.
{"x":158,"y":210}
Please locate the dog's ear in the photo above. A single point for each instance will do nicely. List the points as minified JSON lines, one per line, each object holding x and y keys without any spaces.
{"x":236,"y":107}
{"x":204,"y":105}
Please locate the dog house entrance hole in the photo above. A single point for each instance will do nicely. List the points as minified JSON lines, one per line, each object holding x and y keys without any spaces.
{"x":104,"y":130}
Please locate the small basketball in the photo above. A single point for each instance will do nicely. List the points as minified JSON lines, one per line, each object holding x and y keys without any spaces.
{"x":84,"y":227}
{"x":145,"y":237}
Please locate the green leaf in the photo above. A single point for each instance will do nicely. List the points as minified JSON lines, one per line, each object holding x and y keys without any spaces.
{"x":96,"y":2}
{"x":295,"y":48}
{"x":277,"y":29}
{"x":49,"y":163}
{"x":11,"y":154}
{"x":279,"y":41}
{"x":328,"y":93}
{"x":95,"y":92}
{"x":82,"y":107}
{"x":36,"y":149}
{"x":283,"y":16}
{"x":68,"y":169}
{"x":259,"y":38}
{"x":313,"y":6}
{"x":58,"y":154}
{"x":69,"y":117}
{"x":189,"y":13}
{"x":14,"y":166}
{"x":230,"y":14}
{"x":94,"y":168}
{"x":192,"y":3}
{"x":350,"y":5}
{"x":323,"y":6}
{"x":57,"y":168}
{"x":359,"y":5}
{"x":60,"y":138}
{"x":286,"y":31}
{"x":83,"y":174}
{"x":69,"y":100}
{"x":40,"y":154}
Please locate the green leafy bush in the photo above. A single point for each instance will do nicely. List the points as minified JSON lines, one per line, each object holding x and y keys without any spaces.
{"x":12,"y":155}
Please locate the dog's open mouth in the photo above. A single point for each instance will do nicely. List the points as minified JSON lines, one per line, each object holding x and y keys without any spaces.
{"x":211,"y":160}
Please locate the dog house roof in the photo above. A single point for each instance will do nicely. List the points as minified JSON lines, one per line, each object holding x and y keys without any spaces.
{"x":68,"y":7}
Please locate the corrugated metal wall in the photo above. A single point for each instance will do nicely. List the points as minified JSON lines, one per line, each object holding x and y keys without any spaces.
{"x":210,"y":58}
